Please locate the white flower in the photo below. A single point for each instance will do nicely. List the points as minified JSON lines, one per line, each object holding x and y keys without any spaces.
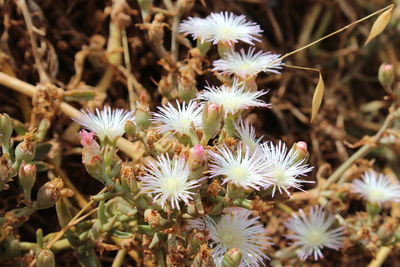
{"x":246,"y":64}
{"x":247,"y":134}
{"x":236,"y":230}
{"x":168,"y":181}
{"x":229,"y":28}
{"x":286,"y":169}
{"x":233,"y":98}
{"x":312,"y":233}
{"x":376,"y":188}
{"x":243,"y":168}
{"x":104,"y":123}
{"x":178,"y":119}
{"x":198,"y":28}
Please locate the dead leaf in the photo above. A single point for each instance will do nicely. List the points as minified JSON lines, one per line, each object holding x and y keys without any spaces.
{"x":379,"y":24}
{"x":317,"y":98}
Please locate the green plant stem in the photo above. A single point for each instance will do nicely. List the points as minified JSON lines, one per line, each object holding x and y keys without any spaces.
{"x":363,"y":151}
{"x":60,"y":245}
{"x":119,"y":259}
{"x":380,"y":257}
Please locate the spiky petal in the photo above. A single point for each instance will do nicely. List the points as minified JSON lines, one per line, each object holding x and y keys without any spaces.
{"x":246,"y":64}
{"x":286,"y":167}
{"x":235,"y":229}
{"x":230,"y":28}
{"x":242,"y":168}
{"x":178,"y":119}
{"x":376,"y":188}
{"x":233,"y":98}
{"x":312,"y":232}
{"x":107,"y":123}
{"x":167,"y":180}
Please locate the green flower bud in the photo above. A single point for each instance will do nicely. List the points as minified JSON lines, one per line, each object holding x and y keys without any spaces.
{"x":27,"y":178}
{"x":45,"y":258}
{"x":232,"y":258}
{"x":130,"y":128}
{"x":204,"y":47}
{"x":187,"y":93}
{"x":25,"y":151}
{"x":211,"y":119}
{"x":386,"y":75}
{"x":49,"y":193}
{"x":142,"y":119}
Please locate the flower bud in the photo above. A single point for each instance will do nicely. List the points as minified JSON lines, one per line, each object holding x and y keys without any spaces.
{"x":302,"y":151}
{"x":238,"y":192}
{"x":211,"y":118}
{"x":130,"y":128}
{"x":25,"y":150}
{"x":27,"y":178}
{"x":112,"y":161}
{"x":187,"y":93}
{"x":203,"y":46}
{"x":6,"y":129}
{"x":142,"y":119}
{"x":45,"y":258}
{"x":386,"y":75}
{"x":49,"y":193}
{"x":197,"y":157}
{"x":232,"y":258}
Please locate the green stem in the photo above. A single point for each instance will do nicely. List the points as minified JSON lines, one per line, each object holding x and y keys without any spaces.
{"x":119,"y":259}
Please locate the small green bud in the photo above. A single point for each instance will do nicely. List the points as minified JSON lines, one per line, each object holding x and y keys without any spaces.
{"x":130,"y":128}
{"x":49,"y":193}
{"x":232,"y":258}
{"x":238,"y":192}
{"x":204,"y":47}
{"x":373,"y":209}
{"x":187,"y":93}
{"x":45,"y":258}
{"x":25,"y":151}
{"x":6,"y":129}
{"x":386,"y":75}
{"x":142,"y":119}
{"x":27,"y":178}
{"x":211,"y":119}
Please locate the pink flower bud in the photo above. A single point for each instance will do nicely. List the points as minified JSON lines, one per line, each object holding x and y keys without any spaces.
{"x":87,"y":138}
{"x":301,"y":149}
{"x":301,"y":145}
{"x":386,"y":74}
{"x":197,"y":157}
{"x":198,"y":152}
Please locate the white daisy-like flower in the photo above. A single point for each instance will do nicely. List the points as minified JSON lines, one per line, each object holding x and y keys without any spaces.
{"x":286,"y":168}
{"x":168,"y":180}
{"x":376,"y":188}
{"x":313,"y":232}
{"x":236,"y":229}
{"x":178,"y":119}
{"x":246,"y":64}
{"x":229,"y":28}
{"x":198,"y":28}
{"x":247,"y":134}
{"x":233,"y":98}
{"x":107,"y":123}
{"x":243,"y":168}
